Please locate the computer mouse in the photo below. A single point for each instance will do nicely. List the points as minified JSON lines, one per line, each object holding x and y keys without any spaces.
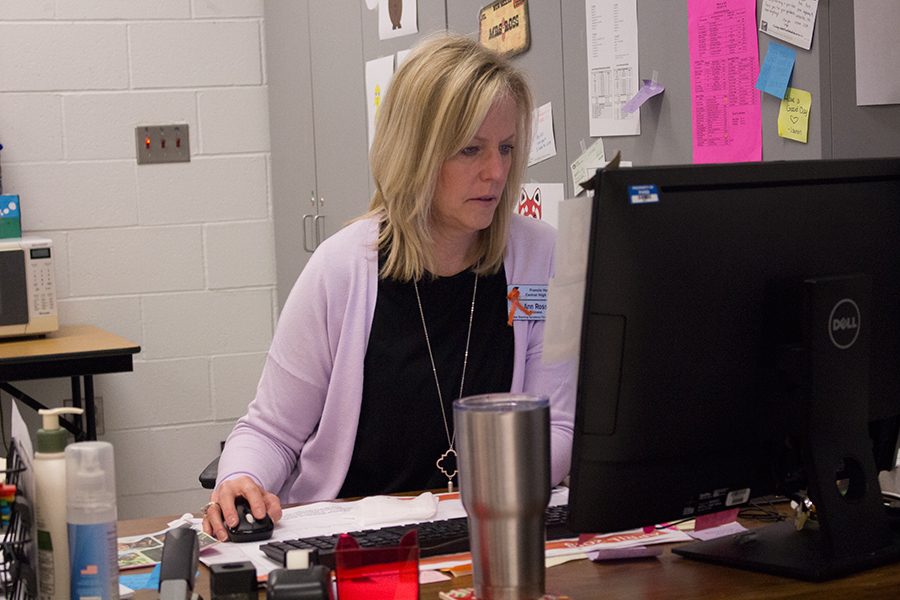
{"x":249,"y":528}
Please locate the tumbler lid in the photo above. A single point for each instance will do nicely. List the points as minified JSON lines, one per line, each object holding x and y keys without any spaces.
{"x":501,"y":402}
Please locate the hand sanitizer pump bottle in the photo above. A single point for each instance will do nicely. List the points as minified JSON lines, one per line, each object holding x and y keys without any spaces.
{"x":50,"y":504}
{"x":91,"y":511}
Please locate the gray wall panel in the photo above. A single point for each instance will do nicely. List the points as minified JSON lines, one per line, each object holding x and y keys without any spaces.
{"x":665,"y":119}
{"x":542,"y":64}
{"x":432,"y":17}
{"x":857,"y":131}
{"x":343,"y":34}
{"x":806,"y":76}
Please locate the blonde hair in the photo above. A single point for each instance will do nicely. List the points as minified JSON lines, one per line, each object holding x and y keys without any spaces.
{"x":434,"y":106}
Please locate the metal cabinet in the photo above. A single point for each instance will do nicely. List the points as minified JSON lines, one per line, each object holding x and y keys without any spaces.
{"x":317,"y":119}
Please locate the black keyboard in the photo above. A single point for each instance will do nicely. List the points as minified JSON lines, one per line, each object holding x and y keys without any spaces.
{"x":435,"y":537}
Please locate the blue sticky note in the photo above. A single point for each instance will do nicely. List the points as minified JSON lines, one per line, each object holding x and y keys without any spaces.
{"x":142,"y":581}
{"x":776,"y":70}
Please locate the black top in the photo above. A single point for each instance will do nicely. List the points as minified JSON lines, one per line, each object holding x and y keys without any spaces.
{"x":401,"y":431}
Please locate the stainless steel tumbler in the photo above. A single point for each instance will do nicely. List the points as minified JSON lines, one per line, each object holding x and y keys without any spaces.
{"x":503,"y":442}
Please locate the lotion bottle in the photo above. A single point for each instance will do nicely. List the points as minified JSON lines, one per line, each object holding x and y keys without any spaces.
{"x":91,"y":513}
{"x":50,"y":504}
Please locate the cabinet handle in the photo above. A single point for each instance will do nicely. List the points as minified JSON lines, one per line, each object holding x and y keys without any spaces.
{"x":319,"y":231}
{"x":307,"y":219}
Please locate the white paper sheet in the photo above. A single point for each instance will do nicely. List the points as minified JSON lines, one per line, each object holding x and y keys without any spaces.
{"x":379,"y":73}
{"x":790,"y":20}
{"x":543,"y":142}
{"x":321,"y":518}
{"x":875,"y":26}
{"x":565,"y":296}
{"x":612,"y":60}
{"x":583,"y":167}
{"x":19,"y":431}
{"x":328,"y":518}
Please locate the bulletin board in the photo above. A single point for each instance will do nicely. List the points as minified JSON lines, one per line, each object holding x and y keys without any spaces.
{"x":556,"y":65}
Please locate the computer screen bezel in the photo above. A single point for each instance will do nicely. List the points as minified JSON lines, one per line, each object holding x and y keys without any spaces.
{"x":759,"y":465}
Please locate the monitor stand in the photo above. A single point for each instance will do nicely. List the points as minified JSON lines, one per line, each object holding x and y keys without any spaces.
{"x":780,"y":549}
{"x":830,"y":420}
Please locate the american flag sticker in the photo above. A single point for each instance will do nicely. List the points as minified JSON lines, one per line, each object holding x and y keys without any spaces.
{"x":90,"y":570}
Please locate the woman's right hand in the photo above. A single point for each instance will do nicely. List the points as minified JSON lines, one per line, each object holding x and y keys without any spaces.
{"x":221,"y":514}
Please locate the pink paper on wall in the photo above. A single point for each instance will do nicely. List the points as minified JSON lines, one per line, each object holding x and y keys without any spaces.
{"x":725,"y":105}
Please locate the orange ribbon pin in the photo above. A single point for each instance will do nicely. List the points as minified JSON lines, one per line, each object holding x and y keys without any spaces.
{"x":513,"y":297}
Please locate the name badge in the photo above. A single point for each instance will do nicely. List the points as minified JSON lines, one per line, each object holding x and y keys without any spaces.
{"x":643,"y":194}
{"x":526,"y":303}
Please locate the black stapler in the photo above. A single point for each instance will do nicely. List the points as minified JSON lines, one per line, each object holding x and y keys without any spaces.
{"x":178,"y":568}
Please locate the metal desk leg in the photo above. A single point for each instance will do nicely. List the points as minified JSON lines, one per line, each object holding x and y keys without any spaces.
{"x":73,"y":426}
{"x":90,"y":416}
{"x":76,"y":403}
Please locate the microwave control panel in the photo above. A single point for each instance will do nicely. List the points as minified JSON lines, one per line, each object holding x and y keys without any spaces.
{"x":39,"y":273}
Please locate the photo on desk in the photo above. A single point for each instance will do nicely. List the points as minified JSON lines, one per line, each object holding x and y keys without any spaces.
{"x":146,"y":550}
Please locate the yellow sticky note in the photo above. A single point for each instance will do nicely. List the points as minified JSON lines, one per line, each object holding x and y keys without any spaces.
{"x":793,"y":116}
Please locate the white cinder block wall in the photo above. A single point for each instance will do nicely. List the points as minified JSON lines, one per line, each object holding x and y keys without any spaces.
{"x":178,"y":258}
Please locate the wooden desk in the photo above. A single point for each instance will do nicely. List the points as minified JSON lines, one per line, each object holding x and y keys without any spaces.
{"x":668,"y":576}
{"x":78,"y":352}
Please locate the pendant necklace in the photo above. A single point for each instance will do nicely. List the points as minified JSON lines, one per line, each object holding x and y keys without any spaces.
{"x":450,"y":455}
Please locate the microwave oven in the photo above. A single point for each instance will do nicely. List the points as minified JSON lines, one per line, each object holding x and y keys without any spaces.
{"x":27,"y":287}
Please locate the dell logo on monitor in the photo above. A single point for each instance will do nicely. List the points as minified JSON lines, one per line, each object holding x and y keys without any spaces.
{"x":843,"y":323}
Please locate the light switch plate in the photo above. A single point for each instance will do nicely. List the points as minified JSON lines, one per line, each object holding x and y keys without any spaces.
{"x":162,"y":143}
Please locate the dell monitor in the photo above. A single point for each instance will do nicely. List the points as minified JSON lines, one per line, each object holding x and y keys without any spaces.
{"x":741,"y":337}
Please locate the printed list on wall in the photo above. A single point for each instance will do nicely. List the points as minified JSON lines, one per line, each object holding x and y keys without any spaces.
{"x":612,"y":58}
{"x":724,"y":69}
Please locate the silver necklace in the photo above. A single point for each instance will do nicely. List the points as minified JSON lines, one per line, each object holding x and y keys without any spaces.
{"x":450,"y":454}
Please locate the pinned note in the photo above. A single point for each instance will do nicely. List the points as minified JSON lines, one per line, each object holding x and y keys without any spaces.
{"x":793,"y":116}
{"x":584,"y":167}
{"x":543,"y":144}
{"x":790,"y":20}
{"x":776,"y":70}
{"x":378,"y":77}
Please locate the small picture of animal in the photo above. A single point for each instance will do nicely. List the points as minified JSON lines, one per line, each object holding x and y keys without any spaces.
{"x":530,"y":207}
{"x":395,"y":11}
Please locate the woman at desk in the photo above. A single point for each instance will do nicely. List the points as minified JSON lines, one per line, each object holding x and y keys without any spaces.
{"x":408,"y":307}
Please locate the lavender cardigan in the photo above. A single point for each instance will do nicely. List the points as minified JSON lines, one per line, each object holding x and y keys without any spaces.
{"x":298,"y":434}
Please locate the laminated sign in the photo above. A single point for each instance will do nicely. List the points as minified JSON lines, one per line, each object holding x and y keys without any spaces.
{"x":503,"y":26}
